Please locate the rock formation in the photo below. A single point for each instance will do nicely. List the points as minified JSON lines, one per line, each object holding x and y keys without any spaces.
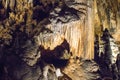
{"x":59,"y":39}
{"x":107,"y":55}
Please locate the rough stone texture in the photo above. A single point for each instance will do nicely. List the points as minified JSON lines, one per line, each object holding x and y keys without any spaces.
{"x":84,"y":70}
{"x":35,"y":34}
{"x":107,"y":15}
{"x":107,"y":56}
{"x":19,"y":70}
{"x":64,"y":20}
{"x":31,"y":53}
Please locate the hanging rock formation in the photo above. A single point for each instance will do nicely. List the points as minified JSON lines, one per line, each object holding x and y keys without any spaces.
{"x":59,"y":20}
{"x":107,"y":15}
{"x":54,"y":39}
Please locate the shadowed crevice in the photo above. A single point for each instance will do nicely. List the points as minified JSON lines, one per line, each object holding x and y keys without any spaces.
{"x":55,"y":56}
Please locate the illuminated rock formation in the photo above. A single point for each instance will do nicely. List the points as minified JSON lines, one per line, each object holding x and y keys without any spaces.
{"x":41,"y":33}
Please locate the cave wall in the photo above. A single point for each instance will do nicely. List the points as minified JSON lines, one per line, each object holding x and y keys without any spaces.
{"x":78,"y":23}
{"x":56,"y":26}
{"x":79,"y":33}
{"x":70,"y":20}
{"x":107,"y":15}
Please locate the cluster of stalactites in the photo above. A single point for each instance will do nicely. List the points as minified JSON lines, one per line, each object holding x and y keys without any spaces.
{"x":12,"y":3}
